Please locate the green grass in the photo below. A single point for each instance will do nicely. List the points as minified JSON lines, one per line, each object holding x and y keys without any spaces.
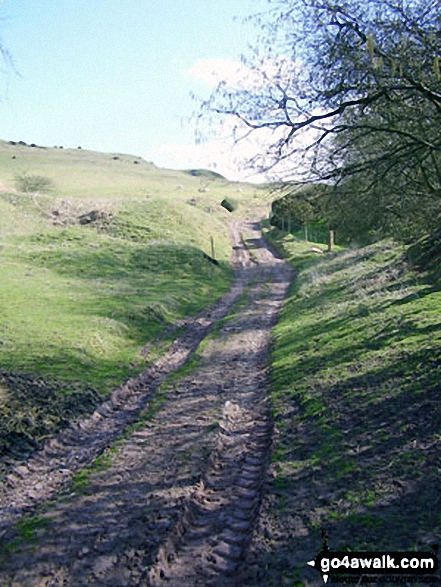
{"x":80,"y":174}
{"x":77,"y":305}
{"x":79,"y":302}
{"x":356,"y":365}
{"x":26,"y":531}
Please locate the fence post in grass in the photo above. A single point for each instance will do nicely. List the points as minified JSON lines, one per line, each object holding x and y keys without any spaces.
{"x":213,"y":255}
{"x":331,"y":241}
{"x":306,"y":233}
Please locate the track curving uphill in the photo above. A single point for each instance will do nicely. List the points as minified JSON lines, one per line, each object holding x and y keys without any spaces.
{"x":179,"y":501}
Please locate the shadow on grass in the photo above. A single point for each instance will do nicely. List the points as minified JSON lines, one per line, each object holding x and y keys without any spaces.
{"x":359,"y":418}
{"x":365,"y":469}
{"x":404,"y":524}
{"x":141,"y":289}
{"x":38,"y":407}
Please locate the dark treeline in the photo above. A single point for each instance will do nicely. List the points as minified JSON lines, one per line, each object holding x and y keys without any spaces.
{"x":350,"y":94}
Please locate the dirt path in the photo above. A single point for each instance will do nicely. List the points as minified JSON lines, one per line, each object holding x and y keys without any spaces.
{"x":179,"y":500}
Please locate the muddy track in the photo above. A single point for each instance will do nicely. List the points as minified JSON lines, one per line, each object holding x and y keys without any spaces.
{"x":77,"y":446}
{"x":180,"y":499}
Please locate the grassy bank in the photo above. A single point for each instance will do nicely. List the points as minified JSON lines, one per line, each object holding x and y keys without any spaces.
{"x":96,"y":275}
{"x":356,"y":368}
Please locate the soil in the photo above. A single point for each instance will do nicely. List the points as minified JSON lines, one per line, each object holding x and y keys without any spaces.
{"x":179,"y":497}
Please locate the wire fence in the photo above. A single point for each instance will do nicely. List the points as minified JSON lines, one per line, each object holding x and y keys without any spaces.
{"x":315,"y":233}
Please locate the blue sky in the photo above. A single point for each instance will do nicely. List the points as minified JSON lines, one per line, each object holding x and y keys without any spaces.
{"x":116,"y":76}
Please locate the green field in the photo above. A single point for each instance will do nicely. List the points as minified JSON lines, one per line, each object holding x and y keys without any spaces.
{"x":78,"y":301}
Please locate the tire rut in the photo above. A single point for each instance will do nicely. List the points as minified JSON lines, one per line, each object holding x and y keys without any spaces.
{"x":181,"y":498}
{"x":212,"y":536}
{"x":73,"y":449}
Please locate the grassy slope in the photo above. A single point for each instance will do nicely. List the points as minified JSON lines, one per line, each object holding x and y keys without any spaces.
{"x":356,"y":371}
{"x":77,"y":303}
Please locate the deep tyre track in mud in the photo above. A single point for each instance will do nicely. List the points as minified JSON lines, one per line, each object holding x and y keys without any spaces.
{"x":179,"y":500}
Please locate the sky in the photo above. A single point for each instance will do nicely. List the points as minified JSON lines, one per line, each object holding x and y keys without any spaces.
{"x":116,"y":76}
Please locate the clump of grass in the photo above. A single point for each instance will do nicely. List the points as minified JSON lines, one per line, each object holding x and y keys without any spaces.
{"x":81,"y":480}
{"x":25,"y":531}
{"x":28,"y":527}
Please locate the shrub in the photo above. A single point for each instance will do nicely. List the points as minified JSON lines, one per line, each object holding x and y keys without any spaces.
{"x":29,"y":183}
{"x":229,"y":204}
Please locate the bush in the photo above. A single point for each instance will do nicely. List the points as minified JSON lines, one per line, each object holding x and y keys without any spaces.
{"x":29,"y":183}
{"x":229,"y":204}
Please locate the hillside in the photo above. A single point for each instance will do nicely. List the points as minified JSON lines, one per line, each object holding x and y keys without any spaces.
{"x":114,"y":256}
{"x":108,"y":277}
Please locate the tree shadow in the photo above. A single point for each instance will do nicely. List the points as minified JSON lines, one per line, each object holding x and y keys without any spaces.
{"x":365,"y":469}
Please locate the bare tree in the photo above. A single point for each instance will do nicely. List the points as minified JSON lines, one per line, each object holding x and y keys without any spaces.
{"x":7,"y":64}
{"x":350,"y":91}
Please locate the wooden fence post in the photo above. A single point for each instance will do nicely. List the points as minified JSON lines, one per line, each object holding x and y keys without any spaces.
{"x":331,"y":241}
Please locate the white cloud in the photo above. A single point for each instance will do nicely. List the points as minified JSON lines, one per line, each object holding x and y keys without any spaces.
{"x":237,"y":75}
{"x":214,"y":71}
{"x":230,"y":158}
{"x":220,"y":155}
